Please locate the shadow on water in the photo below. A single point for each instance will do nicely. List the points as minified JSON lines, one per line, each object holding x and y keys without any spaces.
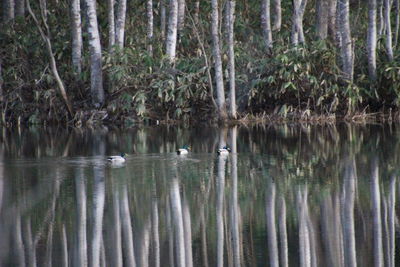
{"x":286,"y":195}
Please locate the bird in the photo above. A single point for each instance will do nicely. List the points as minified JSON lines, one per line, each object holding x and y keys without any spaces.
{"x":224,"y":151}
{"x":117,"y":159}
{"x":183,"y":151}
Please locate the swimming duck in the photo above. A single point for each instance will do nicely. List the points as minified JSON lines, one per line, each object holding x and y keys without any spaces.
{"x":183,"y":151}
{"x":224,"y":151}
{"x":117,"y":159}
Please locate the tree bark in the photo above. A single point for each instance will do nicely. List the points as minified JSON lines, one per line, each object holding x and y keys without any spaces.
{"x":149,"y":7}
{"x":76,"y":33}
{"x":277,"y":18}
{"x":163,"y":18}
{"x":397,"y":27}
{"x":266,"y":23}
{"x":322,"y":8}
{"x":231,"y":54}
{"x":332,"y":19}
{"x":372,"y":39}
{"x":8,"y":10}
{"x":20,"y":8}
{"x":297,"y":33}
{"x":381,"y":20}
{"x":120,"y":24}
{"x":181,"y":16}
{"x":346,"y":41}
{"x":96,"y":76}
{"x":196,"y":11}
{"x":172,"y":30}
{"x":388,"y":27}
{"x":111,"y":24}
{"x":217,"y":60}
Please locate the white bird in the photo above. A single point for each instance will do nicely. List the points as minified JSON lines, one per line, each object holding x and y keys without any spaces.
{"x":183,"y":151}
{"x":224,"y":151}
{"x":117,"y":159}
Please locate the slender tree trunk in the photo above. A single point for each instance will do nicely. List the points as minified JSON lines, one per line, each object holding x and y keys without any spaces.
{"x":53,"y":65}
{"x":181,"y":16}
{"x":295,"y":19}
{"x":96,"y":76}
{"x":234,"y":202}
{"x":111,"y":24}
{"x":20,"y":8}
{"x":232,"y":77}
{"x":271,"y":225}
{"x":76,"y":34}
{"x":172,"y":30}
{"x":381,"y":20}
{"x":8,"y":10}
{"x":127,"y":234}
{"x":266,"y":23}
{"x":376,"y":214}
{"x":150,"y":27}
{"x":176,"y":209}
{"x":322,"y":9}
{"x":81,"y":246}
{"x":120,"y":24}
{"x":98,"y":212}
{"x":217,"y":60}
{"x":277,"y":18}
{"x":117,"y":247}
{"x":163,"y":18}
{"x":196,"y":11}
{"x":372,"y":39}
{"x":332,"y":19}
{"x":397,"y":27}
{"x":389,"y":47}
{"x":346,"y":43}
{"x":283,"y":233}
{"x":304,"y":238}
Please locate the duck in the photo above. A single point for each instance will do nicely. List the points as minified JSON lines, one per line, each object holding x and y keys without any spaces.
{"x":117,"y":159}
{"x":183,"y":151}
{"x":224,"y":151}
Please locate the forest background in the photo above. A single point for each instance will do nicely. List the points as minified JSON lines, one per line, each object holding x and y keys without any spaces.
{"x":172,"y":60}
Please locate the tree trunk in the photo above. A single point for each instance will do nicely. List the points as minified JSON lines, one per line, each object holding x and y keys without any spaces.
{"x":277,"y":19}
{"x":196,"y":11}
{"x":172,"y":30}
{"x":217,"y":60}
{"x":20,"y":8}
{"x":372,"y":39}
{"x":322,"y":9}
{"x":98,"y":212}
{"x":181,"y":16}
{"x":397,"y":27}
{"x":332,"y":19}
{"x":389,"y":47}
{"x":187,"y":227}
{"x":381,"y":20}
{"x":220,"y":189}
{"x":150,"y":27}
{"x":53,"y":65}
{"x":231,"y":54}
{"x":271,"y":225}
{"x":81,"y":239}
{"x":346,"y":42}
{"x":116,"y":227}
{"x":234,"y":201}
{"x":111,"y":24}
{"x":266,"y":23}
{"x":76,"y":33}
{"x":120,"y":24}
{"x":176,"y":210}
{"x":297,"y":34}
{"x":155,"y":231}
{"x":96,"y":76}
{"x":376,"y":214}
{"x":8,"y":10}
{"x":163,"y":18}
{"x":283,"y":233}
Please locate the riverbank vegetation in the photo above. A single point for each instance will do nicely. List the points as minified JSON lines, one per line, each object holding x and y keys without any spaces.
{"x":197,"y":60}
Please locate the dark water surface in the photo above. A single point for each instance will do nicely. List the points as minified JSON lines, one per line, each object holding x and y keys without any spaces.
{"x":289,"y":195}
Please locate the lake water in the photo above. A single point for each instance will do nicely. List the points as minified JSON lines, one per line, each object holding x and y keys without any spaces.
{"x":287,"y":195}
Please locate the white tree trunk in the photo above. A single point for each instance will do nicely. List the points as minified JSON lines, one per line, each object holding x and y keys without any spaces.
{"x":111,"y":24}
{"x":181,"y":16}
{"x":231,"y":54}
{"x":127,"y":233}
{"x":76,"y":33}
{"x":266,"y":23}
{"x":163,"y":18}
{"x":155,"y":231}
{"x":96,"y":76}
{"x":117,"y":237}
{"x":172,"y":30}
{"x":277,"y":19}
{"x":120,"y":24}
{"x":196,"y":11}
{"x":381,"y":20}
{"x":283,"y":233}
{"x":234,"y":202}
{"x":389,"y":46}
{"x":217,"y":60}
{"x":372,"y":39}
{"x":98,"y":212}
{"x":322,"y":9}
{"x":8,"y":10}
{"x":332,"y":19}
{"x":397,"y":27}
{"x":346,"y":41}
{"x":81,"y":239}
{"x":149,"y":7}
{"x":187,"y":227}
{"x":220,"y":189}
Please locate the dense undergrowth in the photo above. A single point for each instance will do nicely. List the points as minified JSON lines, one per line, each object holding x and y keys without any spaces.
{"x":287,"y":82}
